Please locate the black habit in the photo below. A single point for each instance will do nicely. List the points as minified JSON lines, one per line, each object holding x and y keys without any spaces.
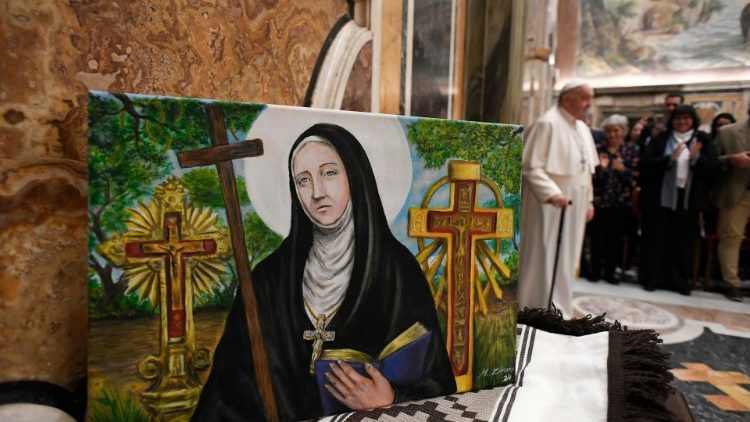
{"x":387,"y":294}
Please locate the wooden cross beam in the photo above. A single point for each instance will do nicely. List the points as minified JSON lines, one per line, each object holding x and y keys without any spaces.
{"x":221,"y":153}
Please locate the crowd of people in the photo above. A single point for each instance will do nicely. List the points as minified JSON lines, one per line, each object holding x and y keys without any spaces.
{"x":642,"y":193}
{"x":660,"y":185}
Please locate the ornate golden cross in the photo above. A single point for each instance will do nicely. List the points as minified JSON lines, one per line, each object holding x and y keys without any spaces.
{"x":170,"y":253}
{"x":318,"y":336}
{"x":463,"y":226}
{"x":173,"y":250}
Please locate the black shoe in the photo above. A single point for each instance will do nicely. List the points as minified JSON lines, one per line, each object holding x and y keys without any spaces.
{"x":648,"y":288}
{"x":592,"y":279}
{"x":684,"y":292}
{"x":734,"y":294}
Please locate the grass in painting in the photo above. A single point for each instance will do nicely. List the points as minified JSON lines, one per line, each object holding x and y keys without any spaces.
{"x":494,"y":345}
{"x":494,"y":350}
{"x":111,"y":406}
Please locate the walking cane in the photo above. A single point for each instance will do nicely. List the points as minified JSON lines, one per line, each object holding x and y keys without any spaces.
{"x":557,"y":255}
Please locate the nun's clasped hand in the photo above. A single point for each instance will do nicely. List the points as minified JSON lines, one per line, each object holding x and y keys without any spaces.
{"x":357,"y":391}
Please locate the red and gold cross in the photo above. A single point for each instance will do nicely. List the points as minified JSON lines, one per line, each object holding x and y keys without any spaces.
{"x":173,"y":250}
{"x":461,"y":230}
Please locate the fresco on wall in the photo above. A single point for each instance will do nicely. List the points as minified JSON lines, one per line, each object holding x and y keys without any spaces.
{"x":634,"y":36}
{"x":379,"y":246}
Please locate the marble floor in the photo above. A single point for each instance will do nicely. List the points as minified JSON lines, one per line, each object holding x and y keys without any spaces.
{"x":676,"y":317}
{"x":707,"y":335}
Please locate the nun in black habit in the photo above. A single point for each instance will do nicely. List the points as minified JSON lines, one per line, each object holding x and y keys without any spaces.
{"x":341,"y":260}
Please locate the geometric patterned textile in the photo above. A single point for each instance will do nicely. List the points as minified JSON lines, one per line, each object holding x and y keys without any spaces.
{"x":481,"y":406}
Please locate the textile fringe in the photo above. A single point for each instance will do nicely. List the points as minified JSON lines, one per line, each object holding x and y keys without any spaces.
{"x":552,"y":321}
{"x":639,"y":373}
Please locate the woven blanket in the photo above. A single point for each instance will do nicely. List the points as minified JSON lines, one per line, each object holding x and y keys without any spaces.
{"x":547,"y":365}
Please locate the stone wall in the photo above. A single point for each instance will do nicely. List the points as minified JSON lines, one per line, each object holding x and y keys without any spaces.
{"x":242,"y":50}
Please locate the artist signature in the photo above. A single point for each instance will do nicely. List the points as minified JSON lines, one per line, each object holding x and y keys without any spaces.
{"x":506,"y":373}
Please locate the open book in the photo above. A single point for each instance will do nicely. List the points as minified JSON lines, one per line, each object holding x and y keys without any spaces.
{"x":401,"y":362}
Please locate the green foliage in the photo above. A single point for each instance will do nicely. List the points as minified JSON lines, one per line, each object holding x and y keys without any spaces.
{"x":220,"y":298}
{"x":439,"y":278}
{"x":495,"y":147}
{"x":94,"y":287}
{"x":130,"y":139}
{"x":259,"y":239}
{"x":239,"y":117}
{"x":204,"y":188}
{"x":120,"y":167}
{"x":113,"y":407}
{"x":494,"y":346}
{"x":512,"y":263}
{"x":510,"y":200}
{"x":125,"y":306}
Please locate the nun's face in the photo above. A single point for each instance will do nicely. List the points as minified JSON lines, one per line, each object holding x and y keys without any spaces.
{"x":321,"y":181}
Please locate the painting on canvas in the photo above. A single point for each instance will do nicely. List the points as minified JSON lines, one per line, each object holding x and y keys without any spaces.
{"x":255,"y":260}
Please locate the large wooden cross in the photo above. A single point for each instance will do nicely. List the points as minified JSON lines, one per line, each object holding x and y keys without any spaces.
{"x":463,"y":226}
{"x":173,"y":250}
{"x":221,"y":153}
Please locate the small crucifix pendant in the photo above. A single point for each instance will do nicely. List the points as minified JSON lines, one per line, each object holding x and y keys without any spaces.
{"x":318,"y":336}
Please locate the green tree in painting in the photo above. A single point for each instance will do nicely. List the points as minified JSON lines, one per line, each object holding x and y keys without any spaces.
{"x":204,"y":190}
{"x":259,"y":239}
{"x":497,"y":148}
{"x":130,"y":139}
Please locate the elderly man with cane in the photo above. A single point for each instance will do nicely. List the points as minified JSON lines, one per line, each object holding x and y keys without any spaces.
{"x":559,"y":158}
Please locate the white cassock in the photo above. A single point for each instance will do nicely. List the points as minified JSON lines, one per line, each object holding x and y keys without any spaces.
{"x":559,"y":157}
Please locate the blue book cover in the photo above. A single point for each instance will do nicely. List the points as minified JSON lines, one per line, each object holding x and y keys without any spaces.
{"x":402,"y":367}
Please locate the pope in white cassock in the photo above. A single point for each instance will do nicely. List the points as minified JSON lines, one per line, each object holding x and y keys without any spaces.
{"x":559,"y":158}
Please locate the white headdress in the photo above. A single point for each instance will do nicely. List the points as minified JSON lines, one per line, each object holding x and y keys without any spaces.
{"x":330,"y":260}
{"x":571,"y":85}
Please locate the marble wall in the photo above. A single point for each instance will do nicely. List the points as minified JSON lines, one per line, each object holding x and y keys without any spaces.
{"x":243,"y":50}
{"x":431,"y":83}
{"x":358,"y":93}
{"x":494,"y":63}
